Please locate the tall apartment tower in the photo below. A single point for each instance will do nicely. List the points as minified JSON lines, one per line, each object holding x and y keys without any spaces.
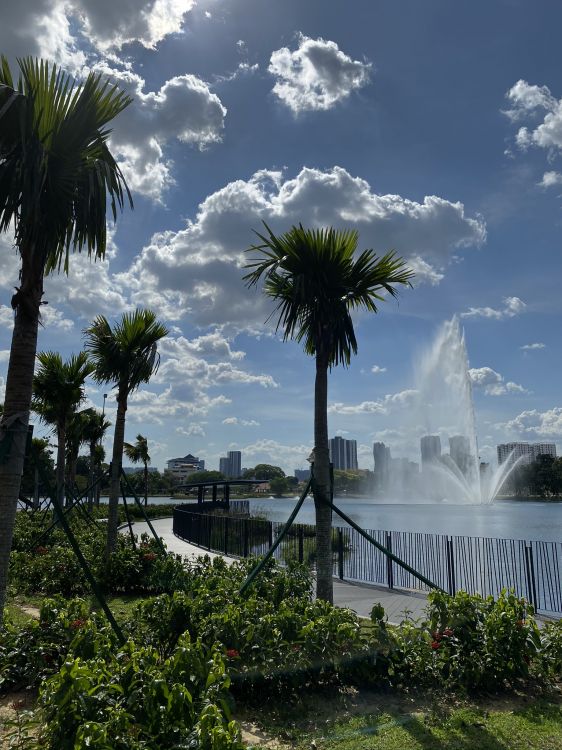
{"x":430,"y":449}
{"x":224,"y":467}
{"x":527,"y":452}
{"x":235,"y":464}
{"x":459,"y":448}
{"x":382,"y":457}
{"x":343,"y":453}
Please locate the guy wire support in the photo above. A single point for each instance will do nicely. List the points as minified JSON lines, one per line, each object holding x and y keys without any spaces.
{"x":145,"y":516}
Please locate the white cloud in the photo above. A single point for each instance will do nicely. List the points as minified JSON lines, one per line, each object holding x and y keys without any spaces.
{"x":184,"y":108}
{"x":4,"y":355}
{"x":241,"y":422}
{"x":512,"y":306}
{"x":6,"y":318}
{"x":315,"y":76}
{"x":492,"y":383}
{"x":198,"y":270}
{"x":544,"y":424}
{"x":383,"y":406}
{"x":526,"y":99}
{"x":376,"y":369}
{"x":53,"y":318}
{"x":195,"y":428}
{"x":273,"y":452}
{"x":532,"y":347}
{"x":55,"y":29}
{"x":550,"y":179}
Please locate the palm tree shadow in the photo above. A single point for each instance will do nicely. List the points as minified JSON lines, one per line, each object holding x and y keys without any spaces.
{"x":469,"y":736}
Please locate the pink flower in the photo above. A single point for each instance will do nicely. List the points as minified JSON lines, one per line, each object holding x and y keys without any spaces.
{"x":435,"y":645}
{"x":232,"y":653}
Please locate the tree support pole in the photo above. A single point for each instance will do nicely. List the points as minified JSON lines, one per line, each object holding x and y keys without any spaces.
{"x":128,"y":517}
{"x":259,"y":567}
{"x":142,"y":510}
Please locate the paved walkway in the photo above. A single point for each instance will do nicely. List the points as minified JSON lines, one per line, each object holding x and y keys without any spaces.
{"x":359,"y":597}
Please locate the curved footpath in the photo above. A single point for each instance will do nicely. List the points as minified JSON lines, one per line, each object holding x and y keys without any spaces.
{"x":355,"y":596}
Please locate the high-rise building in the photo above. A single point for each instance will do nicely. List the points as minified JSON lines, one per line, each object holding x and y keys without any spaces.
{"x":181,"y":468}
{"x":303,"y":475}
{"x":235,"y":463}
{"x":382,"y":457}
{"x":224,"y":466}
{"x":459,"y":449}
{"x":430,"y":449}
{"x":343,"y":453}
{"x":525,"y":452}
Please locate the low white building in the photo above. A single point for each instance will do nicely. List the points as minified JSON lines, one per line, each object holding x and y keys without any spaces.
{"x":181,"y":468}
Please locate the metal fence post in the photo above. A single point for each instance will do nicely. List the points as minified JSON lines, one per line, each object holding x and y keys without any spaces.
{"x":301,"y":543}
{"x":246,"y":545}
{"x":340,"y":554}
{"x":270,"y":532}
{"x":530,"y":571}
{"x":389,"y":571}
{"x":451,"y":567}
{"x":226,"y":525}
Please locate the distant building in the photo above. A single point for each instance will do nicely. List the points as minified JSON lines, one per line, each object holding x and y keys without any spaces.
{"x":303,"y":475}
{"x":231,"y":465}
{"x":459,"y":449}
{"x":181,"y":468}
{"x":382,"y":457}
{"x":526,"y":452}
{"x":343,"y":454}
{"x":430,"y":449}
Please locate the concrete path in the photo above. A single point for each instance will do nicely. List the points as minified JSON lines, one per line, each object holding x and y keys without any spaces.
{"x":355,"y":596}
{"x":359,"y":597}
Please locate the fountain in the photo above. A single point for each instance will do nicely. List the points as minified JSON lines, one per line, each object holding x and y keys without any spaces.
{"x":444,"y":406}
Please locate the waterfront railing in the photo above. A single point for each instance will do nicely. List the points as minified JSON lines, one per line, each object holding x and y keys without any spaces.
{"x":475,"y":564}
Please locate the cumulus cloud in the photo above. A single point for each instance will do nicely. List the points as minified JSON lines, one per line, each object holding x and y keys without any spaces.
{"x":492,"y":383}
{"x":376,"y":369}
{"x":535,"y":423}
{"x":382,"y":406}
{"x":198,"y":270}
{"x":512,"y":306}
{"x":550,"y":179}
{"x":61,"y":29}
{"x":195,"y":428}
{"x":533,"y":347}
{"x":53,"y":318}
{"x":184,"y":108}
{"x":544,"y":129}
{"x":241,"y":422}
{"x":315,"y":76}
{"x":278,"y":454}
{"x":6,"y":318}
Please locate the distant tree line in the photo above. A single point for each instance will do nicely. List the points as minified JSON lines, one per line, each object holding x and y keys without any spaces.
{"x":541,"y":478}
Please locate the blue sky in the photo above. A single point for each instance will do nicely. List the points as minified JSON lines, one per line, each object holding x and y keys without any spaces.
{"x":433,"y":127}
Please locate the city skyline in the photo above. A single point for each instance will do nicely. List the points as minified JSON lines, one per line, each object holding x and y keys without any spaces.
{"x":415,"y":131}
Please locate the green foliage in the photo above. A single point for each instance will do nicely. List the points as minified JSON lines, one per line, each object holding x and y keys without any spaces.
{"x":264,"y":471}
{"x":542,"y":478}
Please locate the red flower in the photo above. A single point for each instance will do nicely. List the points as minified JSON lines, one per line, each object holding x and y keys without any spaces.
{"x":149,"y":556}
{"x":296,"y":647}
{"x":447,"y":632}
{"x":520,"y":623}
{"x":232,"y":653}
{"x":435,"y":645}
{"x":76,"y":624}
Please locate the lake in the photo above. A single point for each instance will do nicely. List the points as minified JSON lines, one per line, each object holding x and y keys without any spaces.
{"x":508,"y":519}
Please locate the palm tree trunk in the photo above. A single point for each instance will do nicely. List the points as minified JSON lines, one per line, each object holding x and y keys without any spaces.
{"x":61,"y":464}
{"x":117,"y":458}
{"x":17,"y":400}
{"x":324,"y":581}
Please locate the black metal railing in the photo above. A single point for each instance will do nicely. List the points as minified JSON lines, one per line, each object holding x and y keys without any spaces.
{"x":474,"y":564}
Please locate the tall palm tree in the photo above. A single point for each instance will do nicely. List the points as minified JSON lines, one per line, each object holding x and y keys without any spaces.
{"x":58,"y":390}
{"x":317,"y":281}
{"x":57,"y":176}
{"x":95,"y":427}
{"x":127,"y":356}
{"x":138,"y":454}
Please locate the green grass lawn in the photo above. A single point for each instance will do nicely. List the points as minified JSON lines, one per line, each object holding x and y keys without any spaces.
{"x":121,"y":606}
{"x":420,"y":723}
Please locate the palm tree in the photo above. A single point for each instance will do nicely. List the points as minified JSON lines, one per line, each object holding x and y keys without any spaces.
{"x":95,"y":427}
{"x":138,"y":454}
{"x":317,"y":282}
{"x":127,"y":356}
{"x":58,"y":389}
{"x":57,"y":176}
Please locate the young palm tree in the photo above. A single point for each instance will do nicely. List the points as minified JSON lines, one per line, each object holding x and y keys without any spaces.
{"x":138,"y":454}
{"x":58,"y":390}
{"x":317,"y":281}
{"x":56,"y":179}
{"x":95,"y":427}
{"x":127,"y":356}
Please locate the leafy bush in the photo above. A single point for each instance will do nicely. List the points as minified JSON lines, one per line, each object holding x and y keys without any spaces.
{"x":134,"y":699}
